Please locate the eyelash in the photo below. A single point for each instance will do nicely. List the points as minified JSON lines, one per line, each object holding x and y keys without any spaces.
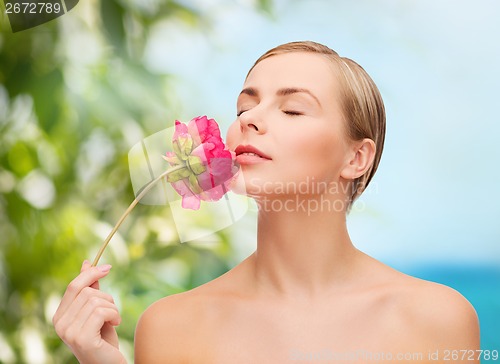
{"x":287,"y":112}
{"x":292,"y":113}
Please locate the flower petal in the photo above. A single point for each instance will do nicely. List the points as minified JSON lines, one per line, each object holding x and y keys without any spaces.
{"x":191,"y":202}
{"x":171,"y":158}
{"x":209,"y":166}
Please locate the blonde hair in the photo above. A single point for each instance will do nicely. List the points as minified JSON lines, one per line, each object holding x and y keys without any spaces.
{"x":360,"y":101}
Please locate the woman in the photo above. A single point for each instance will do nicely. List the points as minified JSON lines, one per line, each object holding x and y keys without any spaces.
{"x":309,"y":135}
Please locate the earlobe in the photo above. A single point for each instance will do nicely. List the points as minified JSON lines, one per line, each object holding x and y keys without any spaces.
{"x":361,"y":159}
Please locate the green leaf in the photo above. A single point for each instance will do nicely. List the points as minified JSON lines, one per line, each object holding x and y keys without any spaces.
{"x":193,"y":183}
{"x":195,"y":164}
{"x":178,"y":175}
{"x":185,"y":145}
{"x":177,"y":149}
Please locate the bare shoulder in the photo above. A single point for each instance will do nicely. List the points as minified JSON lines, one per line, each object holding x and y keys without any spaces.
{"x":438,"y":317}
{"x":446,"y":315}
{"x":162,"y":330}
{"x":174,"y":328}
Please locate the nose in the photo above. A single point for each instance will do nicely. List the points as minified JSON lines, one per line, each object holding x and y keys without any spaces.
{"x":251,"y":121}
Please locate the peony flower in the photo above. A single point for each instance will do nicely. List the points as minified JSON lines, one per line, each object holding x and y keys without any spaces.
{"x":207,"y":166}
{"x":201,"y":168}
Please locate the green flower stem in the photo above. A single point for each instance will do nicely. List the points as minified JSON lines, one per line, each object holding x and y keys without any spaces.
{"x":130,"y":208}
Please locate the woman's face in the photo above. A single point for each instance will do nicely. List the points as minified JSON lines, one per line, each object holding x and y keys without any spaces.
{"x":288,"y":113}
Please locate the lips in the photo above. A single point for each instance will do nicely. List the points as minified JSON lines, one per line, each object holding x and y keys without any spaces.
{"x":248,"y":154}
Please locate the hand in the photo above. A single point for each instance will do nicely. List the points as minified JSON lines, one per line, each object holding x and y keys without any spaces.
{"x":86,"y":317}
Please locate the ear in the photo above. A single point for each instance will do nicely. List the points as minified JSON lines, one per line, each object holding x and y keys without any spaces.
{"x":360,"y":159}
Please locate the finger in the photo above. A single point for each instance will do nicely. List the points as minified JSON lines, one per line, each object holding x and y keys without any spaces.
{"x":86,"y":294}
{"x":72,"y":321}
{"x":100,"y":316}
{"x":91,"y":306}
{"x":84,"y":279}
{"x":86,"y":265}
{"x":87,"y":326}
{"x":94,"y":309}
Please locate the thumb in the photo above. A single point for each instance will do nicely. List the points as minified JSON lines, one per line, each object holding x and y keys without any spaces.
{"x":85,"y":266}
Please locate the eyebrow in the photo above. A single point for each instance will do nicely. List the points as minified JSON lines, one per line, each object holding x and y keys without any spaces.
{"x":250,"y":91}
{"x":293,"y":90}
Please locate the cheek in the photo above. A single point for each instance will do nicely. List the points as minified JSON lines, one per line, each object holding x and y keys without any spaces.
{"x":238,"y":184}
{"x":317,"y":154}
{"x":231,"y":136}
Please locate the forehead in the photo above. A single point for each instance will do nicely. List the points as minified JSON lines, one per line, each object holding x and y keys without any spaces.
{"x":298,"y":69}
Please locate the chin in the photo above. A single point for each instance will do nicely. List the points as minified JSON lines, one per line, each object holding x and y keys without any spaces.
{"x":246,"y":183}
{"x":237,"y":184}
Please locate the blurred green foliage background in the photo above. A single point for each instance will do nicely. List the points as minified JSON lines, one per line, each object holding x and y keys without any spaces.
{"x":78,"y":92}
{"x":74,"y":98}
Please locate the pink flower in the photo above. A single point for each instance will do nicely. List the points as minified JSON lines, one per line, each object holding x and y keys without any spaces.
{"x":207,"y":166}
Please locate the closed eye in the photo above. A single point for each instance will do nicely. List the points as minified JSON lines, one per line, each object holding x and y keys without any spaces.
{"x":240,"y":112}
{"x":292,"y":113}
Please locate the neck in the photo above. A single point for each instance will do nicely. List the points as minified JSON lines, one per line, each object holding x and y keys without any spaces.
{"x":302,"y":253}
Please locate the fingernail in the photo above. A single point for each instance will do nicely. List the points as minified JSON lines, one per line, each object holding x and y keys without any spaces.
{"x":84,"y":263}
{"x":104,"y":268}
